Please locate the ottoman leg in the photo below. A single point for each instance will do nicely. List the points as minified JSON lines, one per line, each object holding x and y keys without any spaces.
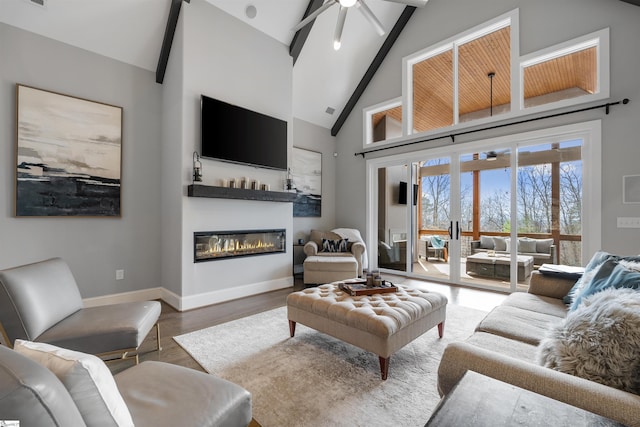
{"x":384,"y":366}
{"x":292,"y":328}
{"x":440,"y":329}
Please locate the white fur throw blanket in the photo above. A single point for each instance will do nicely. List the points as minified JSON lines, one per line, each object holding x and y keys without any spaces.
{"x":599,"y":341}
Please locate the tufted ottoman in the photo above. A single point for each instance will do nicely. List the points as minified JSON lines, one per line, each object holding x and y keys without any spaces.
{"x":381,"y":323}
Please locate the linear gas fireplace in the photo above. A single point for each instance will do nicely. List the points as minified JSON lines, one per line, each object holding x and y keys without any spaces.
{"x":215,"y":245}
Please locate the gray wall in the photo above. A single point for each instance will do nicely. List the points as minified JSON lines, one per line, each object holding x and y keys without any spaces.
{"x":312,"y":137}
{"x":94,"y":247}
{"x":226,"y":59}
{"x":542,"y":23}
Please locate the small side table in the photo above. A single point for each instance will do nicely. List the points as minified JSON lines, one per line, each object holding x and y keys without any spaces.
{"x":481,"y":401}
{"x":297,"y":268}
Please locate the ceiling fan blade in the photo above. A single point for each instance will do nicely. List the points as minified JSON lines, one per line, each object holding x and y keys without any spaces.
{"x":416,"y":3}
{"x":342,"y":15}
{"x":364,"y":9}
{"x":313,"y":15}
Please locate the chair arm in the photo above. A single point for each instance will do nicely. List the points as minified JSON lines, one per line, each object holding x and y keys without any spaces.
{"x":357,"y":249}
{"x":474,"y":244}
{"x":553,"y":251}
{"x":310,"y":248}
{"x":609,"y":402}
{"x":549,"y":286}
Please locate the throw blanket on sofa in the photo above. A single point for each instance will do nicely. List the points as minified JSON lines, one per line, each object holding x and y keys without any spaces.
{"x":437,"y":242}
{"x":354,"y":236}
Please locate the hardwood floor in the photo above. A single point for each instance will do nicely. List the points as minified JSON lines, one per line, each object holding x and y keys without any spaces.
{"x":173,"y":322}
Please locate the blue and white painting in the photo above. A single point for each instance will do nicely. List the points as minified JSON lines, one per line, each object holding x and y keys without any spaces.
{"x":68,"y":155}
{"x":306,"y":172}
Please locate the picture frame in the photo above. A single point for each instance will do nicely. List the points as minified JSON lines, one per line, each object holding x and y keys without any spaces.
{"x":306,"y":173}
{"x":631,"y":189}
{"x":68,"y":155}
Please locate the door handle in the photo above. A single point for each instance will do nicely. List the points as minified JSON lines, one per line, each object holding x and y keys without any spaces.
{"x":450,"y":229}
{"x":457,"y":230}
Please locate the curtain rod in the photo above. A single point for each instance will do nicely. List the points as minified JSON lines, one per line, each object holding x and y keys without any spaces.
{"x":453,"y":135}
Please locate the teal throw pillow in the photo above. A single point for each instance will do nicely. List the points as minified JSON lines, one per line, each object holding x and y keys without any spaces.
{"x":612,"y":273}
{"x":339,"y":245}
{"x":592,"y":267}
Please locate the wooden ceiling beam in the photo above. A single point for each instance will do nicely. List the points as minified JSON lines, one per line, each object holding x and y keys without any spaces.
{"x":371,"y":71}
{"x":301,"y":35}
{"x":167,"y":41}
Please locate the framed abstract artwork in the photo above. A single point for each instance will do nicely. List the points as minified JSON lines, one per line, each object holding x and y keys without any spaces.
{"x":306,"y":172}
{"x":68,"y":155}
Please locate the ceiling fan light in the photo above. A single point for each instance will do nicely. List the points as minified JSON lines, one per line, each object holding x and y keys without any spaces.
{"x":347,"y":3}
{"x":336,"y":45}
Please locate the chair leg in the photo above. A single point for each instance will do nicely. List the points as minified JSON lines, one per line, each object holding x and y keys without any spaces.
{"x":158,"y":335}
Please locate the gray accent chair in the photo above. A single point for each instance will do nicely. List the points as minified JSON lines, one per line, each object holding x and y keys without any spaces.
{"x":156,"y":394}
{"x":41,"y":302}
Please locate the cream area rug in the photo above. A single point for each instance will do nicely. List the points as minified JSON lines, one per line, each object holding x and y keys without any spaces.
{"x":315,"y":380}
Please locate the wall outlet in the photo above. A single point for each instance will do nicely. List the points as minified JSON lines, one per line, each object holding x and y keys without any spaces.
{"x":628,"y":222}
{"x":119,"y":274}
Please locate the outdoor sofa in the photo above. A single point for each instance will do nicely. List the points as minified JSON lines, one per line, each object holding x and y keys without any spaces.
{"x":543,"y":251}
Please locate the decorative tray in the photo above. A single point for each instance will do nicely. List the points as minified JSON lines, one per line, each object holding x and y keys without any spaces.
{"x":357,"y":288}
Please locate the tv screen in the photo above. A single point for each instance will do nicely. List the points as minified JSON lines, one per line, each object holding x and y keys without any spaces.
{"x":402,"y":193}
{"x":235,"y":134}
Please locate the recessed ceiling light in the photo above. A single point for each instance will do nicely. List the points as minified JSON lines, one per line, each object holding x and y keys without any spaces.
{"x":251,"y":11}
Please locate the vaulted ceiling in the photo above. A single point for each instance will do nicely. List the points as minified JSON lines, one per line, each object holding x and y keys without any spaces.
{"x":132,"y":31}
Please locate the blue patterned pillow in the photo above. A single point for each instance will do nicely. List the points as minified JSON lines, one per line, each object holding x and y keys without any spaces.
{"x":329,"y":245}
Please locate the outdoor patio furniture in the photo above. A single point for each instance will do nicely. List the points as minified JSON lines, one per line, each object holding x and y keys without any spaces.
{"x":499,"y":266}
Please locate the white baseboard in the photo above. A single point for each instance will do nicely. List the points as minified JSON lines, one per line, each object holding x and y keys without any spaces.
{"x":193,"y":301}
{"x":142,"y":295}
{"x":222,"y":295}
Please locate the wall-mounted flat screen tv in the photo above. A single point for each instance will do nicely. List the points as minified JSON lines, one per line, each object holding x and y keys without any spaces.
{"x":235,"y":134}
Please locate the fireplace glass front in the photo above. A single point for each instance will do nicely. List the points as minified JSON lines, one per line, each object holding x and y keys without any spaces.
{"x":214,"y":245}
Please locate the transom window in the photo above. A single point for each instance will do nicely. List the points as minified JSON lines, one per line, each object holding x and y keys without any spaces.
{"x":479,"y":77}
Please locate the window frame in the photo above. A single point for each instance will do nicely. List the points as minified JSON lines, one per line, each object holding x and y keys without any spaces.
{"x":599,"y":39}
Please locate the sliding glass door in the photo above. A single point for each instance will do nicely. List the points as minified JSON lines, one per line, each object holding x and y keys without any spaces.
{"x":489,"y":213}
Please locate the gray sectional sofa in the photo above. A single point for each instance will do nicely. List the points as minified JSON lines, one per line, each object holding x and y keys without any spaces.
{"x":543,"y":251}
{"x":504,"y":347}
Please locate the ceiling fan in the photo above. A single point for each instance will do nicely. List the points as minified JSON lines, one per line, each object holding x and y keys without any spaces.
{"x":345,"y":5}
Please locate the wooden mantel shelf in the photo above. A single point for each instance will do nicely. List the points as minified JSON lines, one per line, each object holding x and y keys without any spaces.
{"x":196,"y":190}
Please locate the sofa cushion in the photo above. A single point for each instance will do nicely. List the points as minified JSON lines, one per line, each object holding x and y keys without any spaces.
{"x":599,"y":341}
{"x":86,"y":378}
{"x":527,"y":245}
{"x":591,"y":269}
{"x":334,"y":245}
{"x":317,"y":236}
{"x":513,"y":348}
{"x":537,"y":303}
{"x":543,"y":246}
{"x":610,"y":274}
{"x":194,"y":399}
{"x":499,"y":244}
{"x":31,"y":393}
{"x":518,"y":324}
{"x":486,"y":242}
{"x":86,"y":330}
